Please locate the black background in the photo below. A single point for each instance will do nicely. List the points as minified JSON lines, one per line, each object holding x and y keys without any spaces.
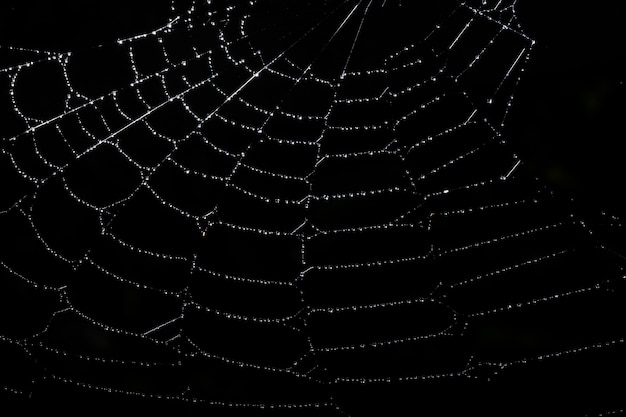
{"x":567,"y":120}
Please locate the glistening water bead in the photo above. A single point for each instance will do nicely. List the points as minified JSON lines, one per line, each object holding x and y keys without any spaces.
{"x":300,"y":210}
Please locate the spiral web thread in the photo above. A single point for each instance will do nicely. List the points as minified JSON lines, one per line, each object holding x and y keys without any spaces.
{"x":267,"y":200}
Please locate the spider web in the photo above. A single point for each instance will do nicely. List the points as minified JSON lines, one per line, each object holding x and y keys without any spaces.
{"x":302,"y":208}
